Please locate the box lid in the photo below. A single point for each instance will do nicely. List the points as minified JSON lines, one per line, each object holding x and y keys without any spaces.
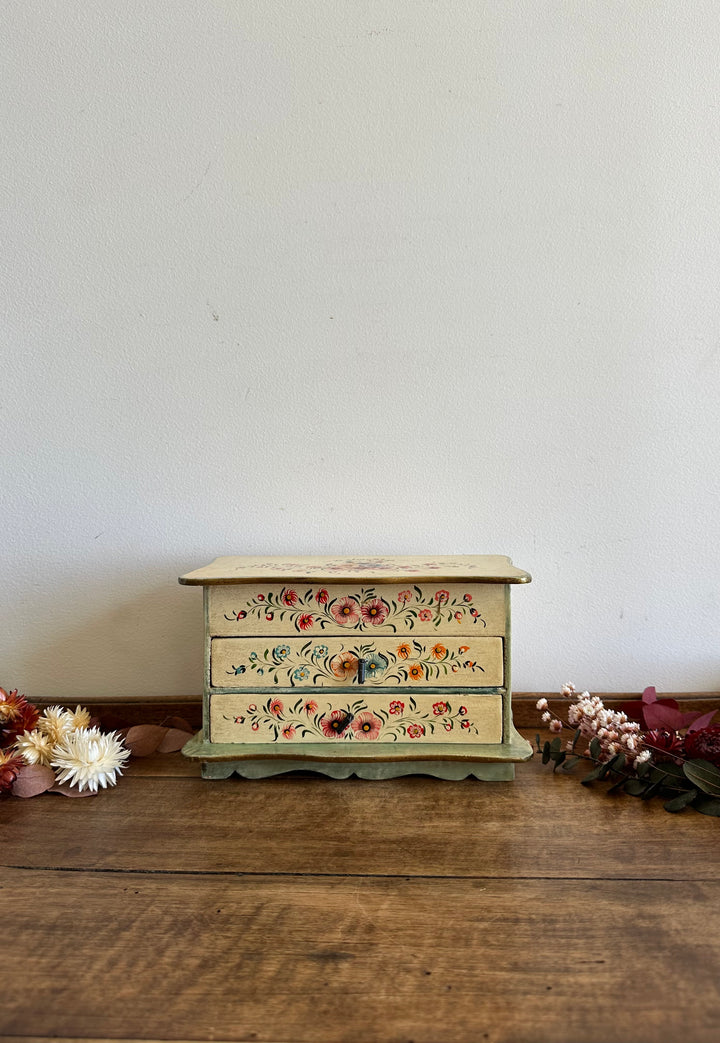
{"x":483,"y":568}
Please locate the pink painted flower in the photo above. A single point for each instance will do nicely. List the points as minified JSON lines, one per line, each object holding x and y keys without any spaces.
{"x":321,"y":596}
{"x":396,"y":706}
{"x":289,"y":597}
{"x":416,"y":731}
{"x":404,"y":596}
{"x":442,"y":596}
{"x":374,"y":612}
{"x":288,"y":732}
{"x":276,"y":708}
{"x":310,"y":706}
{"x":425,"y":615}
{"x":440,"y":708}
{"x":305,"y":621}
{"x":346,"y":611}
{"x":335,"y":723}
{"x":366,"y":725}
{"x":344,"y":665}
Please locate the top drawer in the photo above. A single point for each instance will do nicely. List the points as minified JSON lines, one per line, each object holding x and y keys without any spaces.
{"x":391,"y":608}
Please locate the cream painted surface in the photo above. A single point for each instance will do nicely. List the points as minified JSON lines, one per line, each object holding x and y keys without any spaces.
{"x":402,"y":606}
{"x":381,"y":721}
{"x":372,"y":568}
{"x":242,"y":662}
{"x":402,"y":278}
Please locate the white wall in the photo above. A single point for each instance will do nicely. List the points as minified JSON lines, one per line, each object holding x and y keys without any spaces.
{"x":360,"y":277}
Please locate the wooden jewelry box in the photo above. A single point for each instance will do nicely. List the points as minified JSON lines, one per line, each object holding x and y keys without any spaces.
{"x":376,"y":667}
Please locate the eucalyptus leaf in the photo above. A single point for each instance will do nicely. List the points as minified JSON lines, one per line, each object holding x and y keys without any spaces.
{"x":546,"y":753}
{"x":635,"y":787}
{"x":708,"y":806}
{"x":704,"y":775}
{"x":681,"y":801}
{"x":595,"y":747}
{"x":591,"y":776}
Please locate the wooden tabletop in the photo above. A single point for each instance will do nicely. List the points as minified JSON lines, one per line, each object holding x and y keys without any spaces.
{"x":304,"y":909}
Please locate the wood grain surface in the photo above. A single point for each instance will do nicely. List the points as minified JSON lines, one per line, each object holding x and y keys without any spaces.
{"x":304,"y":909}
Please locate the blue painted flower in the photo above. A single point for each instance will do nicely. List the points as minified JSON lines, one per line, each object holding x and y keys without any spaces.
{"x":301,"y":674}
{"x":375,"y":665}
{"x":236,"y":670}
{"x":320,"y":650}
{"x":253,"y":657}
{"x":281,"y":651}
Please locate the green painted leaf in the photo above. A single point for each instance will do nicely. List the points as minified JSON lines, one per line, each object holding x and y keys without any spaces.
{"x":704,"y":775}
{"x":681,"y":801}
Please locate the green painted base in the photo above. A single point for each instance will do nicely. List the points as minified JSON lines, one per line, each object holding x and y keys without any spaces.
{"x":490,"y":763}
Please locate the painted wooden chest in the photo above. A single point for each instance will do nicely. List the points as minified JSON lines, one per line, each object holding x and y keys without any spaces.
{"x":376,"y":667}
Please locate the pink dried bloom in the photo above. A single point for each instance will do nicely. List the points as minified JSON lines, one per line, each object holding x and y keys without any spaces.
{"x":555,"y":726}
{"x":541,"y":704}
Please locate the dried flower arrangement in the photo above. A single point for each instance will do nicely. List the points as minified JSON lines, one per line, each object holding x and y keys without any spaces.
{"x":647,"y":749}
{"x":58,"y":750}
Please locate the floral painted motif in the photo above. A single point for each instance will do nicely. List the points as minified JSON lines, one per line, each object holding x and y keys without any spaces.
{"x":315,"y":609}
{"x":314,"y":664}
{"x":355,"y":722}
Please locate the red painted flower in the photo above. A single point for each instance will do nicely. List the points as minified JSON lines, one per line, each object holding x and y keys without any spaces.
{"x":261,"y":597}
{"x":241,"y":615}
{"x":335,"y":723}
{"x":458,"y":617}
{"x":463,"y":711}
{"x":416,"y":731}
{"x":310,"y":706}
{"x":289,"y":597}
{"x":442,"y":596}
{"x":396,"y":706}
{"x":425,"y":615}
{"x":344,"y":665}
{"x":467,"y":597}
{"x":374,"y":612}
{"x":465,"y":724}
{"x":366,"y":725}
{"x":288,"y":732}
{"x":440,"y":708}
{"x":321,"y":596}
{"x":252,"y":708}
{"x":276,"y":708}
{"x":346,"y":611}
{"x":255,"y":726}
{"x":448,"y":726}
{"x":269,"y":616}
{"x":305,"y":621}
{"x":416,"y":672}
{"x":404,"y":596}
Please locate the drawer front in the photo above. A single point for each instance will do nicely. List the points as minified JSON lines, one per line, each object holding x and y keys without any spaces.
{"x":251,"y":662}
{"x":376,"y":717}
{"x":388,"y":608}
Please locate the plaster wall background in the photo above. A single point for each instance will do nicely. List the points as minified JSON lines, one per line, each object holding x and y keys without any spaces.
{"x":430,"y":276}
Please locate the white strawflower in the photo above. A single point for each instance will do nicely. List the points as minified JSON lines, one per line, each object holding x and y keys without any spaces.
{"x":79,"y":718}
{"x":55,"y":723}
{"x":88,"y":758}
{"x":34,"y":747}
{"x":541,"y":704}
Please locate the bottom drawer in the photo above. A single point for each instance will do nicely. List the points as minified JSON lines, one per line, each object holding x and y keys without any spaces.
{"x":378,"y":717}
